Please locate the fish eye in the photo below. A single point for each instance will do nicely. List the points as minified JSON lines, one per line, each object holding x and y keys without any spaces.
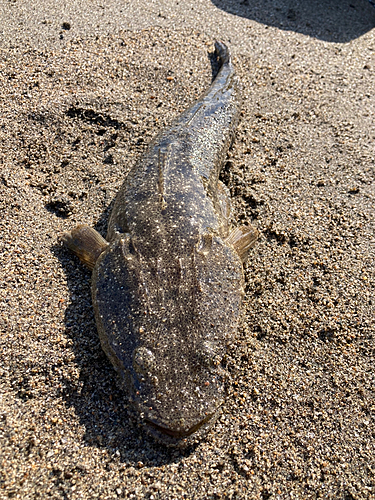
{"x":143,"y":360}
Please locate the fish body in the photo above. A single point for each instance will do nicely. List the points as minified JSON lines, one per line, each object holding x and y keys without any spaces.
{"x":167,"y":282}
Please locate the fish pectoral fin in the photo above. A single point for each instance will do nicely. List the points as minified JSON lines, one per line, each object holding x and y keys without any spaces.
{"x":242,"y":239}
{"x":86,"y":243}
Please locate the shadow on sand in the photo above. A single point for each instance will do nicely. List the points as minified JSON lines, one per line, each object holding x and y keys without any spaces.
{"x":96,"y":397}
{"x":330,"y":20}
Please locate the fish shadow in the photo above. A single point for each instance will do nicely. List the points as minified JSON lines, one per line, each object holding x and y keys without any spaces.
{"x":95,"y":395}
{"x":336,"y":21}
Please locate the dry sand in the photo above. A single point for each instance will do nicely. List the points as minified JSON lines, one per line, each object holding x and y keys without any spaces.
{"x":83,"y":87}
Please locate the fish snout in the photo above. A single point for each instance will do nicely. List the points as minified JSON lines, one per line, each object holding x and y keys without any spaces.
{"x":173,"y":415}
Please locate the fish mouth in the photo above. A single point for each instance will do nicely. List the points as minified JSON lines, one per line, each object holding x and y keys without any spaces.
{"x":179,"y":434}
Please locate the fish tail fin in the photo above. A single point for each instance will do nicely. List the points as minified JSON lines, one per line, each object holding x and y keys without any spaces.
{"x":222,"y":51}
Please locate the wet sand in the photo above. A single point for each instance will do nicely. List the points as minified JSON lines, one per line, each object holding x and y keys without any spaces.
{"x":83,"y":89}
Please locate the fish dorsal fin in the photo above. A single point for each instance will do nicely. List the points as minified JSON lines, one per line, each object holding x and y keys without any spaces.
{"x":162,"y":166}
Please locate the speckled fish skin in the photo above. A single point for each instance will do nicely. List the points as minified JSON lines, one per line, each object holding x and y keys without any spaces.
{"x":167,"y":291}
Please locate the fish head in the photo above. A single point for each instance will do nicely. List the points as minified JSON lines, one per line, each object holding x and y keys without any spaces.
{"x":177,"y":391}
{"x":165,"y":327}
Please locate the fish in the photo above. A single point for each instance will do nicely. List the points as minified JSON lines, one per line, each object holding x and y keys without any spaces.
{"x":167,"y":281}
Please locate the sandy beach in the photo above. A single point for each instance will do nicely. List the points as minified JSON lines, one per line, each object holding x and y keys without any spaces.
{"x":84,"y":86}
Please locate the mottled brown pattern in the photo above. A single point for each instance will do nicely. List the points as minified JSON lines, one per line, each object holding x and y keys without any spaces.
{"x":167,"y":291}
